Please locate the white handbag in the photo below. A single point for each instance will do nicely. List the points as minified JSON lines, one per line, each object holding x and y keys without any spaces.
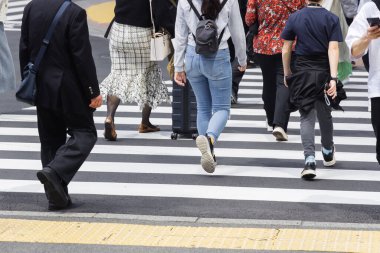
{"x":159,"y":43}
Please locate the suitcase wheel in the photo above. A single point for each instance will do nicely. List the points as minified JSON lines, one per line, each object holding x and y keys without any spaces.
{"x":174,"y":136}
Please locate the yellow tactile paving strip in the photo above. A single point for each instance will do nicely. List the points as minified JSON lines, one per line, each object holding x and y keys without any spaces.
{"x":37,"y":231}
{"x":101,"y":13}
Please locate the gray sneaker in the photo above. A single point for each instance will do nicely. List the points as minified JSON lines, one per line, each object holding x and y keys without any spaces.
{"x":329,"y":159}
{"x":309,"y":171}
{"x":208,"y":160}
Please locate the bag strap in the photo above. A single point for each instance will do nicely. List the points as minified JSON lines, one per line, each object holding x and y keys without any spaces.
{"x":49,"y":34}
{"x":151,"y":16}
{"x":195,"y":9}
{"x":197,"y":12}
{"x":109,"y":28}
{"x":173,"y":3}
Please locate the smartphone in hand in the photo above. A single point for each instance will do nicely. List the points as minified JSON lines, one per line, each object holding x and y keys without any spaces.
{"x":373,"y":21}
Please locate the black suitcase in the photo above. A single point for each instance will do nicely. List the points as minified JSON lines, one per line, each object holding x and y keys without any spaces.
{"x":184,"y":116}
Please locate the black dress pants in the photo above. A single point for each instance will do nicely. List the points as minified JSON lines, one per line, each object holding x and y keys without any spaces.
{"x":275,"y":94}
{"x":65,"y":156}
{"x":375,"y":118}
{"x":237,"y":75}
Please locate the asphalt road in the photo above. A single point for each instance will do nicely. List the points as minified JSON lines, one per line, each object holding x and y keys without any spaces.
{"x":250,"y":159}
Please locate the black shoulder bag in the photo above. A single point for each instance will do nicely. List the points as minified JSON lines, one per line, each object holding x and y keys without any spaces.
{"x":27,"y":91}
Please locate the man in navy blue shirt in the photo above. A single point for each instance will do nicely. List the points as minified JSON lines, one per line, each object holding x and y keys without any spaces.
{"x":318,"y":33}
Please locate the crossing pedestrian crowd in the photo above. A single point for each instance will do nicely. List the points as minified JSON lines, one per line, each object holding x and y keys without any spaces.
{"x":306,"y":50}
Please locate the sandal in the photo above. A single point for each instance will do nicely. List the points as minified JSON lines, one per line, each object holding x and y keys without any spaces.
{"x":109,"y":130}
{"x":147,"y":129}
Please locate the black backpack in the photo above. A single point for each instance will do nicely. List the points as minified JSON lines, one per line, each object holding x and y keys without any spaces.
{"x":206,"y":35}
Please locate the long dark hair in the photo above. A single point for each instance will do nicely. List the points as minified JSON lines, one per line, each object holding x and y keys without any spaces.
{"x":211,"y":8}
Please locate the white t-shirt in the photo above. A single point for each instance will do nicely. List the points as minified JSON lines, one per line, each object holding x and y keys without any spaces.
{"x":356,"y":31}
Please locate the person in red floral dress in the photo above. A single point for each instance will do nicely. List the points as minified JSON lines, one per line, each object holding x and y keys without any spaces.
{"x":271,"y":16}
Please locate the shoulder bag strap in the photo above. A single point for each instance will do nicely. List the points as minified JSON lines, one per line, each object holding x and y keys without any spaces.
{"x":109,"y":28}
{"x":46,"y":40}
{"x":151,"y":17}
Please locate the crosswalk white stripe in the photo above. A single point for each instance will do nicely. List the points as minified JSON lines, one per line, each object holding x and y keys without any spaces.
{"x":259,"y":92}
{"x":195,"y":169}
{"x":168,"y":122}
{"x":241,"y":137}
{"x":168,"y":109}
{"x":359,"y":73}
{"x":259,"y":85}
{"x":192,"y":151}
{"x":245,"y":83}
{"x":204,"y":192}
{"x":15,"y":10}
{"x":358,"y":79}
{"x":12,"y":4}
{"x":354,"y":73}
{"x":14,"y":17}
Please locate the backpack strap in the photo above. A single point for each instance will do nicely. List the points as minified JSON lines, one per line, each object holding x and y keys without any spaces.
{"x":197,"y":12}
{"x":222,"y":33}
{"x":195,"y":9}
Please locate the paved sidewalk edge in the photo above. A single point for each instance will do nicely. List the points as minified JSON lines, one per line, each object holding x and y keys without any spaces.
{"x":191,"y":220}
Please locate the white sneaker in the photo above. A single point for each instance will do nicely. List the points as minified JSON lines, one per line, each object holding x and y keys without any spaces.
{"x":269,"y":128}
{"x":280,"y":134}
{"x":208,"y":160}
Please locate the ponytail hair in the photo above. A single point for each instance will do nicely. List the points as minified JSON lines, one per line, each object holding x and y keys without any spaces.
{"x":211,"y":8}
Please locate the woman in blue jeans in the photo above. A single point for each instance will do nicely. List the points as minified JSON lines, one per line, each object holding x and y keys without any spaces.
{"x":210,"y":76}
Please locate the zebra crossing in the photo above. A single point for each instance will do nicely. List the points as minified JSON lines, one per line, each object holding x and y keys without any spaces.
{"x":255,"y":172}
{"x":14,"y":14}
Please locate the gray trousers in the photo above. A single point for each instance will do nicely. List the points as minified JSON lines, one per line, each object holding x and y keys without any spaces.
{"x":323,"y":113}
{"x":7,"y":71}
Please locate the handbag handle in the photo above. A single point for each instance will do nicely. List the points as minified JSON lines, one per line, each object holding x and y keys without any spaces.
{"x":151,"y":16}
{"x":49,"y":34}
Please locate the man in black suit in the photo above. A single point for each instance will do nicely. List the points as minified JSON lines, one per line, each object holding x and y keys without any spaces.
{"x":67,"y":93}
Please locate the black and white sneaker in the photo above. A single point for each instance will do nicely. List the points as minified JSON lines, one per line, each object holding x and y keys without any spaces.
{"x":208,"y":160}
{"x":329,"y":160}
{"x":309,"y":172}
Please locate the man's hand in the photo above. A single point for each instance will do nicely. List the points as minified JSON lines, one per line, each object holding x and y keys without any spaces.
{"x":180,"y":78}
{"x":242,"y":68}
{"x":96,"y":102}
{"x":332,"y":89}
{"x":373,"y":32}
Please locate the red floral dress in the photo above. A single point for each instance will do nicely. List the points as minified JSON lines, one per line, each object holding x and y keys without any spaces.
{"x":272,"y":16}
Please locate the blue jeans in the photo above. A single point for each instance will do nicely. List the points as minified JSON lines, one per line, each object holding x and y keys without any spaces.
{"x":211,"y":79}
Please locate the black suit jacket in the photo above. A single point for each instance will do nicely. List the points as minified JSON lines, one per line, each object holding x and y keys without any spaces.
{"x":67,"y":76}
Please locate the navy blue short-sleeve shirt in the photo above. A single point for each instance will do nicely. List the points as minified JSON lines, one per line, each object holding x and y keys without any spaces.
{"x":313,"y":28}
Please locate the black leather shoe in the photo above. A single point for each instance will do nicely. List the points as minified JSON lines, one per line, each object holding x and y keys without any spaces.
{"x":54,"y":190}
{"x":53,"y":206}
